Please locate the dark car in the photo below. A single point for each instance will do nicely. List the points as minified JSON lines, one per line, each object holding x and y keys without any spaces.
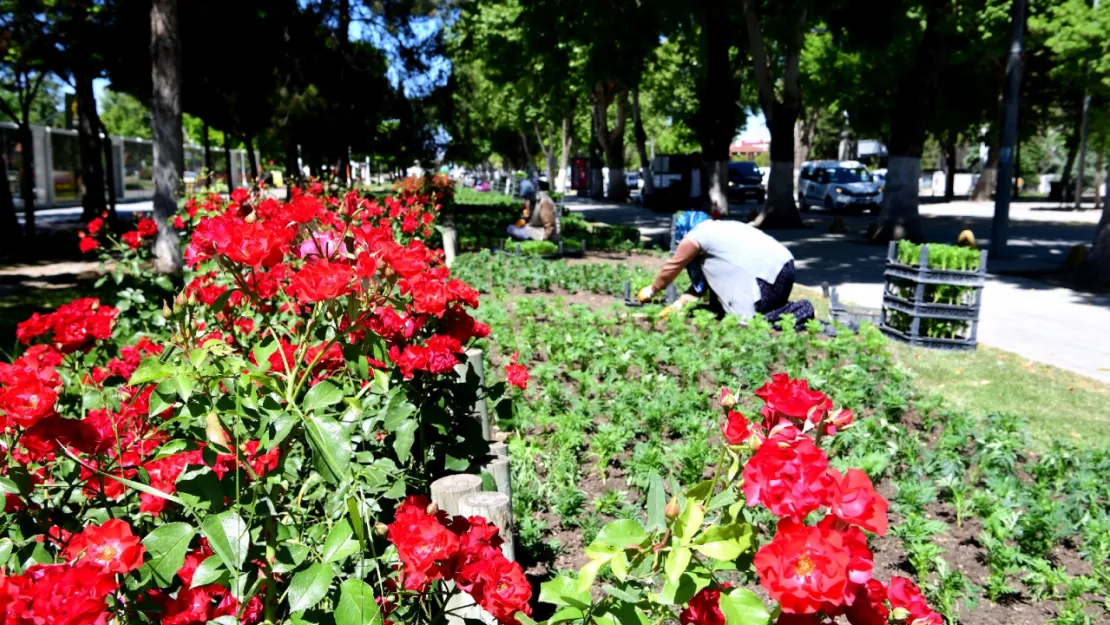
{"x":745,"y":182}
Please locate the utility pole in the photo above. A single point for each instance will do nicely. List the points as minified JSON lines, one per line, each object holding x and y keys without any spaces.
{"x":1003,"y":190}
{"x":1083,"y":142}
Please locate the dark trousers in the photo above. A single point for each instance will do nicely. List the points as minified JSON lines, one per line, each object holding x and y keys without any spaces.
{"x":774,"y":299}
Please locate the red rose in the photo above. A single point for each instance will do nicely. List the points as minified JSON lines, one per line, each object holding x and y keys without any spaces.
{"x":95,"y":225}
{"x":499,"y":586}
{"x":804,"y":568}
{"x":87,"y":244}
{"x":788,"y":475}
{"x":704,"y":608}
{"x":735,"y":429}
{"x":178,"y":222}
{"x":792,"y":399}
{"x":869,"y":607}
{"x":111,"y":546}
{"x":429,"y":296}
{"x":133,"y":239}
{"x":853,"y":500}
{"x":28,"y":401}
{"x":321,"y":280}
{"x":908,"y":604}
{"x":517,"y":374}
{"x":240,"y":196}
{"x":146,"y":228}
{"x":838,"y":420}
{"x":426,"y":547}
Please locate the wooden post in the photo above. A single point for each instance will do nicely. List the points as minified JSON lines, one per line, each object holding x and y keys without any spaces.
{"x":498,"y":449}
{"x":449,"y":235}
{"x":448,"y":491}
{"x":480,"y":409}
{"x":499,"y":469}
{"x":495,"y":508}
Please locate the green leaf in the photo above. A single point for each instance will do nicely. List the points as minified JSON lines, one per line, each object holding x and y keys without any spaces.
{"x":201,"y":488}
{"x":324,"y":394}
{"x":396,"y":411}
{"x":331,"y":447}
{"x":356,"y":521}
{"x":725,"y":543}
{"x":220,"y":302}
{"x":677,"y":593}
{"x":356,"y":604}
{"x":290,"y":555}
{"x":656,"y":503}
{"x":229,"y":538}
{"x":8,"y":486}
{"x":563,"y":591}
{"x":742,"y":607}
{"x":162,"y":398}
{"x":338,"y":544}
{"x":677,"y":561}
{"x":209,"y":571}
{"x":309,"y":586}
{"x":624,"y":533}
{"x":149,"y":370}
{"x":166,"y":547}
{"x":403,"y":439}
{"x":689,"y":522}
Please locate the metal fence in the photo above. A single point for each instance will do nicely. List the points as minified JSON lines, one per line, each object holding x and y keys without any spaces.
{"x":58,"y":165}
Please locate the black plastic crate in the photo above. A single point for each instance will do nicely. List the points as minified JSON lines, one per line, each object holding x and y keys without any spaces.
{"x":921,"y":312}
{"x":562,"y":253}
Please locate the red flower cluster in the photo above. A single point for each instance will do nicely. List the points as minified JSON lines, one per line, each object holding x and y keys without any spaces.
{"x":144,"y":229}
{"x":517,"y":374}
{"x":74,"y":592}
{"x":202,"y":604}
{"x":824,"y":568}
{"x":466,"y":551}
{"x":72,"y":326}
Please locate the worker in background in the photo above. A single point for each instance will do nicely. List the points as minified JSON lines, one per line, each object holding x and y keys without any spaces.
{"x":743,"y":270}
{"x":538,"y":221}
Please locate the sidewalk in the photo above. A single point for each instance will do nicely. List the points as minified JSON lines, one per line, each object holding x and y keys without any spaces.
{"x":1049,"y":324}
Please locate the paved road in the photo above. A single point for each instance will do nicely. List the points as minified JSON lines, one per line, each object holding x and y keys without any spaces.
{"x":1020,"y":314}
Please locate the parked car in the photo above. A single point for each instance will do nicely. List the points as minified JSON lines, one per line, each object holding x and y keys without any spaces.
{"x":745,"y":182}
{"x":634,"y":181}
{"x":838,"y":185}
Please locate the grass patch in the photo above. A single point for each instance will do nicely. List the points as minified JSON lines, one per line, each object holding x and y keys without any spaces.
{"x":1059,"y":405}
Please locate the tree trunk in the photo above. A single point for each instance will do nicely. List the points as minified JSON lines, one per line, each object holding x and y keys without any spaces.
{"x":227,"y":161}
{"x":169,"y":154}
{"x":641,"y":143}
{"x":27,"y":176}
{"x":527,"y":151}
{"x":804,"y":130}
{"x":566,"y":139}
{"x":612,"y":140}
{"x":252,"y":159}
{"x":718,"y":95}
{"x":1098,"y":261}
{"x":1098,"y":176}
{"x":88,"y":139}
{"x":548,"y":148}
{"x":1072,"y":145}
{"x":206,"y":142}
{"x":10,"y":232}
{"x":988,"y":178}
{"x":597,"y":184}
{"x":899,"y":218}
{"x":949,"y":166}
{"x":294,"y":172}
{"x":779,"y":211}
{"x":110,"y":168}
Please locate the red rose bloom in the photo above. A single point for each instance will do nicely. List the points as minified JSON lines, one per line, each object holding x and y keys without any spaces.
{"x":853,"y":500}
{"x":27,"y":401}
{"x":505,"y":590}
{"x":133,"y":239}
{"x":95,"y":225}
{"x":321,"y":280}
{"x":111,"y":546}
{"x":804,"y":568}
{"x":429,"y":296}
{"x":704,"y":608}
{"x":178,"y":222}
{"x":736,"y":429}
{"x":909,"y":605}
{"x":788,"y":475}
{"x":87,"y":244}
{"x":425,"y":546}
{"x":517,"y":374}
{"x":146,"y":228}
{"x":869,"y":607}
{"x":791,"y":399}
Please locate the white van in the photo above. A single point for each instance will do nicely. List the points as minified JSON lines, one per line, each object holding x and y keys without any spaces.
{"x":838,"y":185}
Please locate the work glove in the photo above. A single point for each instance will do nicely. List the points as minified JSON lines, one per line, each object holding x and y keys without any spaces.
{"x":646,"y":293}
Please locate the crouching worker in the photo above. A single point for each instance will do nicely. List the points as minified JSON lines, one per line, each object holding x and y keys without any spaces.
{"x":744,"y":270}
{"x":538,"y":222}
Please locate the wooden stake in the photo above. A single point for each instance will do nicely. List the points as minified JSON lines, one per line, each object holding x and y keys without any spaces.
{"x":495,"y":508}
{"x":448,"y":491}
{"x":499,"y":469}
{"x":498,"y":449}
{"x":480,"y":409}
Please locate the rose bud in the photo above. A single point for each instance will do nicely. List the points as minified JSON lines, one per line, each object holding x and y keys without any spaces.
{"x":726,"y":399}
{"x":671,"y":509}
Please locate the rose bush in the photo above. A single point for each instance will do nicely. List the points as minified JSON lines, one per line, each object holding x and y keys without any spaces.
{"x":225,"y":454}
{"x":693,"y":553}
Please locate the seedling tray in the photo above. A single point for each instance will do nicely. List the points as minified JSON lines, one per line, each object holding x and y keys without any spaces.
{"x":852,"y":316}
{"x":632,"y":302}
{"x":921,"y":312}
{"x":562,"y":253}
